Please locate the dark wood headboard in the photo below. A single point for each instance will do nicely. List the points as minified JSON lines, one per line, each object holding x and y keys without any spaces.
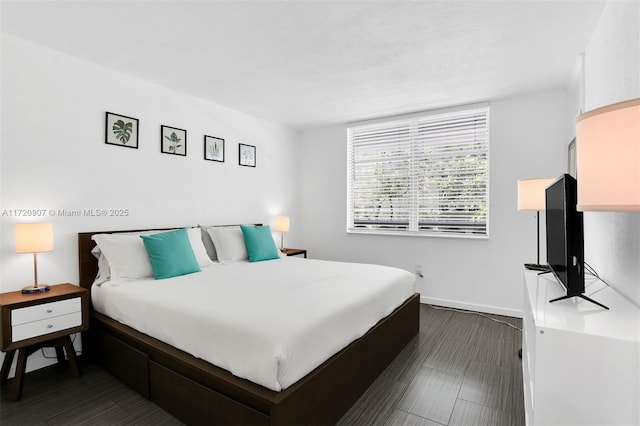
{"x":88,"y":264}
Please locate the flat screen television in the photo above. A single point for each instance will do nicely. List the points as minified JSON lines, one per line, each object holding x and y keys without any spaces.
{"x":565,"y":237}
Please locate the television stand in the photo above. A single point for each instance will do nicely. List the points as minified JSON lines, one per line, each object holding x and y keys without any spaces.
{"x":588,"y":299}
{"x":579,"y":363}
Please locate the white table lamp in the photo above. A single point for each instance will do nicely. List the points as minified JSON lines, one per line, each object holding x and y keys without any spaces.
{"x":34,"y":238}
{"x":282,"y":226}
{"x":608,"y":158}
{"x":531,"y":196}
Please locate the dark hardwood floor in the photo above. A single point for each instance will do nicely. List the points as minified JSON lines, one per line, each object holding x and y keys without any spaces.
{"x":462,"y":369}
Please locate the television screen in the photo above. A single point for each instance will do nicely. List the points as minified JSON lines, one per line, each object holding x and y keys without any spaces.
{"x":565,"y":244}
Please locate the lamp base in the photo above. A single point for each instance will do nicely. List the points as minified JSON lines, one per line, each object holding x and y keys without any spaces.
{"x":537,"y":267}
{"x":41,"y":288}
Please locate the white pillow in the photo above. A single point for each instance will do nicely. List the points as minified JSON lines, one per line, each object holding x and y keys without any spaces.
{"x":208,"y":243}
{"x":103,"y":266}
{"x":126,"y":255}
{"x":104,"y":273}
{"x":229,"y":243}
{"x":195,"y":238}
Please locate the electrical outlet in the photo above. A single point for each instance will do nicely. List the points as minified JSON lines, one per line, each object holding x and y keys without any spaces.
{"x":418,"y":271}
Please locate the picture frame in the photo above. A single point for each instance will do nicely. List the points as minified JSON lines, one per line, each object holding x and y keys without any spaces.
{"x":173,"y":140}
{"x":571,"y":158}
{"x":121,"y":130}
{"x":246,"y":155}
{"x":213,"y":149}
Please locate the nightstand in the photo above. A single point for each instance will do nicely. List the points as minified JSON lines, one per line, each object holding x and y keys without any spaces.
{"x":294,"y":252}
{"x":33,"y":321}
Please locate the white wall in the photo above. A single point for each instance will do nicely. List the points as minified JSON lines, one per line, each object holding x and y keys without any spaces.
{"x":53,"y":156}
{"x":528,"y":139}
{"x":612,"y":74}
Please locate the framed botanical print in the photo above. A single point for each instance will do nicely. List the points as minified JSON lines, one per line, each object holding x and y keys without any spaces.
{"x":247,"y":155}
{"x":121,"y":130}
{"x":213,"y":148}
{"x":173,"y":140}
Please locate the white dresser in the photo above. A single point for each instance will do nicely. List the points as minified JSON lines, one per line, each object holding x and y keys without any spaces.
{"x":580,"y":362}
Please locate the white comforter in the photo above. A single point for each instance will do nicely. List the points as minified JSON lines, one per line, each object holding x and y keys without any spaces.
{"x":269,"y":322}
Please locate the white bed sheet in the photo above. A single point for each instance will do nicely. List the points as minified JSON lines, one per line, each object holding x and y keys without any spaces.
{"x":270,"y":322}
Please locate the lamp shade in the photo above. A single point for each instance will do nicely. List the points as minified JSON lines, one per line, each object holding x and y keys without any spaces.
{"x":608,"y":158}
{"x":34,"y":237}
{"x":282,"y":224}
{"x":531,"y":193}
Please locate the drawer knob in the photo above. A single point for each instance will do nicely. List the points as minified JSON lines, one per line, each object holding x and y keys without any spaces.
{"x":49,"y":311}
{"x":49,"y":325}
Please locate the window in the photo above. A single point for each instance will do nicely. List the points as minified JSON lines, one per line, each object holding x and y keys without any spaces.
{"x":420,"y":176}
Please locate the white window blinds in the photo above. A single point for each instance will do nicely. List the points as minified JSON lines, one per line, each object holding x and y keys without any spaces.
{"x":420,"y":176}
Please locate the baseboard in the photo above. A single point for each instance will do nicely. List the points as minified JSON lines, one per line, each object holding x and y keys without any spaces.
{"x":471,"y":306}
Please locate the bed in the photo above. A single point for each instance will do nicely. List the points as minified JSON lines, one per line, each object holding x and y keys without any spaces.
{"x":198,"y":392}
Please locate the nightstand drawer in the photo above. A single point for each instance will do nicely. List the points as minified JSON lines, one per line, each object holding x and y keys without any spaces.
{"x":45,"y":311}
{"x":45,"y":326}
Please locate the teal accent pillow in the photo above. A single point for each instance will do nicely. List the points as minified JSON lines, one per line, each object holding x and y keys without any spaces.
{"x":170,"y":254}
{"x":259,"y":242}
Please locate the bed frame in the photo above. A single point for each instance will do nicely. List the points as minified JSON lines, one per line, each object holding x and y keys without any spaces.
{"x":197,"y":392}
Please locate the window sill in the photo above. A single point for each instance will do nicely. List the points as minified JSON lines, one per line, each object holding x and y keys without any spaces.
{"x":418,"y":234}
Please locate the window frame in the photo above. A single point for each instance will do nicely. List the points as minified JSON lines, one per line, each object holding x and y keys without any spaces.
{"x":413,"y":120}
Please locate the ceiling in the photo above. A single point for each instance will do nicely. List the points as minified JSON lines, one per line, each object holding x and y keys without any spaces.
{"x":311,"y":63}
